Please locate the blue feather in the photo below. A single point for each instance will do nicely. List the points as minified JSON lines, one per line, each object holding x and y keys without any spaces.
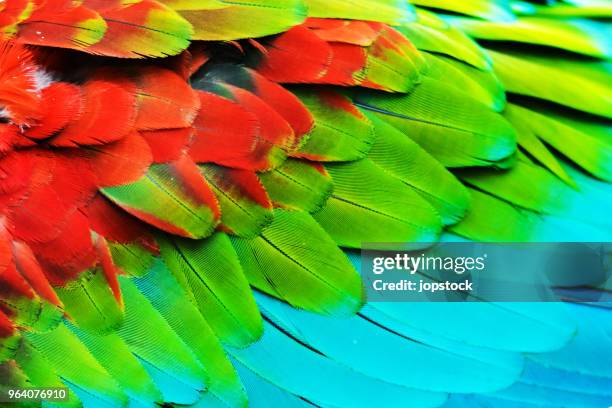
{"x":293,"y":366}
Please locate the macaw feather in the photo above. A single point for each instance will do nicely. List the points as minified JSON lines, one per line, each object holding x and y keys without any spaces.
{"x":202,"y":268}
{"x":566,"y":82}
{"x":172,"y":301}
{"x":589,"y":38}
{"x":184,"y":203}
{"x":483,"y":86}
{"x":370,"y":205}
{"x":529,"y":141}
{"x":389,"y":62}
{"x":446,"y":40}
{"x":524,"y":185}
{"x":405,"y":160}
{"x":387,"y":11}
{"x":341,"y":132}
{"x":299,"y":271}
{"x":114,"y":355}
{"x":264,"y":136}
{"x":298,"y":185}
{"x":81,"y":368}
{"x":276,"y":96}
{"x":185,"y":229}
{"x":139,"y":29}
{"x":164,"y":100}
{"x":25,"y":306}
{"x":244,"y":203}
{"x":94,"y":122}
{"x":245,"y":19}
{"x":588,"y":145}
{"x":493,"y":220}
{"x":494,"y":10}
{"x":580,"y":9}
{"x":143,"y":321}
{"x":351,"y":342}
{"x":464,"y":132}
{"x":327,"y":380}
{"x":90,"y":302}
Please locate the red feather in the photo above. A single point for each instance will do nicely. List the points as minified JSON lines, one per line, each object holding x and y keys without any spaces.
{"x":236,"y":134}
{"x":16,"y":170}
{"x":6,"y":326}
{"x":345,"y":31}
{"x":13,"y":285}
{"x":8,"y":137}
{"x":108,"y":268}
{"x":73,"y":178}
{"x":347,"y":67}
{"x":39,"y":217}
{"x":127,"y":23}
{"x":282,"y":101}
{"x":121,"y":162}
{"x":194,"y":185}
{"x":273,"y":127}
{"x":60,"y":103}
{"x":295,"y":56}
{"x":107,"y":114}
{"x":28,"y":267}
{"x":116,"y":225}
{"x":18,"y":84}
{"x":225,"y":133}
{"x":166,"y":100}
{"x":168,"y":145}
{"x":70,"y":253}
{"x":58,"y":24}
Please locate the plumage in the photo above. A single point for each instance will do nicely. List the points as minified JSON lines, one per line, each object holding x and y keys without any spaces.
{"x":185,"y":186}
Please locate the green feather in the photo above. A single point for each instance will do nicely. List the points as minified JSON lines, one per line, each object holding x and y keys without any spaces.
{"x":587,"y":145}
{"x":456,"y":129}
{"x":34,"y":313}
{"x":578,"y":84}
{"x":296,"y":261}
{"x":582,"y":8}
{"x":496,"y":10}
{"x":161,"y":198}
{"x":524,"y":185}
{"x":528,"y":141}
{"x":114,"y":355}
{"x":73,"y":362}
{"x":580,"y":36}
{"x":40,"y":373}
{"x":242,"y":211}
{"x":370,"y":205}
{"x":245,"y":19}
{"x":90,"y":302}
{"x":210,"y":271}
{"x":298,"y":185}
{"x":493,"y":220}
{"x":395,"y":67}
{"x":385,"y":11}
{"x":181,"y":5}
{"x":151,"y":338}
{"x":405,"y":160}
{"x":168,"y":297}
{"x":430,"y":33}
{"x":8,"y":346}
{"x":131,"y":258}
{"x":341,"y":132}
{"x":480,"y":85}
